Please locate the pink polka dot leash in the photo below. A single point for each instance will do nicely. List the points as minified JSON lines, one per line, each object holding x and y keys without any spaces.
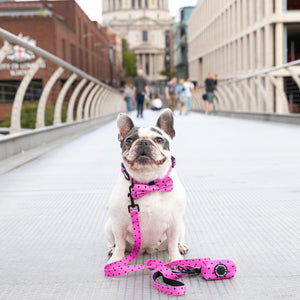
{"x":207,"y":268}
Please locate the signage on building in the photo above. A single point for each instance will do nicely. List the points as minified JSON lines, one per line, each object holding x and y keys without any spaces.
{"x":20,"y":59}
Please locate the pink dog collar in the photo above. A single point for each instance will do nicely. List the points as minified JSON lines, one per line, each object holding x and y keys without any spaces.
{"x":139,"y":189}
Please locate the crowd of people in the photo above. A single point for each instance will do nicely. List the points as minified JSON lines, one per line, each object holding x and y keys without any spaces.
{"x":178,"y":94}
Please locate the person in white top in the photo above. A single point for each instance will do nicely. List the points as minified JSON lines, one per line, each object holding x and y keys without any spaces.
{"x":189,"y":88}
{"x":156,"y":103}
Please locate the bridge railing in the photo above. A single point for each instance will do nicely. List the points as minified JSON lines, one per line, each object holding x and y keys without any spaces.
{"x":260,"y":92}
{"x":89,"y":97}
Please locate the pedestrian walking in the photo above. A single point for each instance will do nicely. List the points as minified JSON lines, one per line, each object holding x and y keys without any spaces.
{"x":172,"y":93}
{"x":210,"y":86}
{"x":140,"y":90}
{"x":189,"y":89}
{"x":182,"y":102}
{"x":128,"y":97}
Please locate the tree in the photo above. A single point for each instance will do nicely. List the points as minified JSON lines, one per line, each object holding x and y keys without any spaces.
{"x":129,"y":60}
{"x":130,"y":63}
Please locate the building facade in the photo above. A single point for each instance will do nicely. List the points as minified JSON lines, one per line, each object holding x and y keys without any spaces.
{"x":146,"y":25}
{"x":180,"y":46}
{"x":61,"y":28}
{"x":238,"y":37}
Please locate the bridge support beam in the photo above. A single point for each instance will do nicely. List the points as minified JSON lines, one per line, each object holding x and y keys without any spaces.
{"x":73,"y":99}
{"x":40,"y":116}
{"x":61,"y":98}
{"x":79,"y":112}
{"x":282,"y":103}
{"x":18,"y":102}
{"x":87,"y":105}
{"x":5,"y":50}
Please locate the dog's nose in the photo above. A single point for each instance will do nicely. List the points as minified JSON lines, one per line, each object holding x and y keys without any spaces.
{"x":143,"y":143}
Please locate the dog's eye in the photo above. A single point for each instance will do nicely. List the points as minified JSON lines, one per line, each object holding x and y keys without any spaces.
{"x":129,"y":141}
{"x":158,"y":140}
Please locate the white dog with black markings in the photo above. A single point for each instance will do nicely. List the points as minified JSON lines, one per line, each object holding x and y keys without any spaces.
{"x":147,"y":158}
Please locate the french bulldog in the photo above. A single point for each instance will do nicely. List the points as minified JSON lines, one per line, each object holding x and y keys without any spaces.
{"x":146,"y":155}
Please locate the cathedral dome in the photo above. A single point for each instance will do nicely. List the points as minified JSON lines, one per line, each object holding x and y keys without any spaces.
{"x":134,"y":9}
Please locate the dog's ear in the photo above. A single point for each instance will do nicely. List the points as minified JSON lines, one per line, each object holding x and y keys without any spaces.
{"x":166,"y":122}
{"x":125,"y":124}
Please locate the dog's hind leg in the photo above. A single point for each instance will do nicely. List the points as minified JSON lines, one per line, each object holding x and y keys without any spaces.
{"x":110,"y":237}
{"x":183,"y":248}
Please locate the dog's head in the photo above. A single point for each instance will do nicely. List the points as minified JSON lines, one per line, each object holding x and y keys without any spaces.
{"x":146,"y":150}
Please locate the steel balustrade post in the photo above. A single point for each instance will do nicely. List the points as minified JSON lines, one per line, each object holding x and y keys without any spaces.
{"x":6,"y":48}
{"x":101,"y":98}
{"x":218,"y":104}
{"x":61,"y":98}
{"x":89,"y":100}
{"x":223,"y":98}
{"x":18,"y":101}
{"x":264,"y":95}
{"x":94,"y":103}
{"x":104,"y":103}
{"x":231,"y":96}
{"x":282,"y":106}
{"x":240,"y":95}
{"x":251,"y":97}
{"x":295,"y":76}
{"x":40,"y":116}
{"x":79,"y":113}
{"x":99,"y":110}
{"x":73,"y":99}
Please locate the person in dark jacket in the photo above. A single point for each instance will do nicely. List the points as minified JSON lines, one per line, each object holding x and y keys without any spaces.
{"x":210,"y":86}
{"x":140,"y":90}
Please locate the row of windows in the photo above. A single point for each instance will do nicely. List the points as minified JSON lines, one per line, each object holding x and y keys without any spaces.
{"x":85,"y":60}
{"x":118,"y":4}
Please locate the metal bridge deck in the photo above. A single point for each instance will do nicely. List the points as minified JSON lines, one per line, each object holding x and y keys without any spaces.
{"x":243,"y":185}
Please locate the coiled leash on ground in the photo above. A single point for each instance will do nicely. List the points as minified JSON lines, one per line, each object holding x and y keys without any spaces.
{"x":209,"y":269}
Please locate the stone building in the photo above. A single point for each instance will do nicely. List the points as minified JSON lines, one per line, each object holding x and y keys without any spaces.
{"x":239,"y":37}
{"x":180,"y":37}
{"x":146,"y":25}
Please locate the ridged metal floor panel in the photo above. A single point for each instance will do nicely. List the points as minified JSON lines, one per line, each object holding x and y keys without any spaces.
{"x":243,"y":184}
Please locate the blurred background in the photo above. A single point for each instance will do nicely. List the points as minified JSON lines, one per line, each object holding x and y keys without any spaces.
{"x":110,"y":39}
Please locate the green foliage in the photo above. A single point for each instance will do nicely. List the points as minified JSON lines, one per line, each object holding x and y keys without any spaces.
{"x":170,"y":75}
{"x":129,"y":61}
{"x":28,"y":115}
{"x":125,"y":49}
{"x":130,"y":64}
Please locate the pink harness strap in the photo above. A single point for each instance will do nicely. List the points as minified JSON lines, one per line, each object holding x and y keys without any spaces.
{"x":210,"y":270}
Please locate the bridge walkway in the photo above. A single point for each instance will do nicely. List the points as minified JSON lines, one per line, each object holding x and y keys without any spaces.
{"x":243,"y":188}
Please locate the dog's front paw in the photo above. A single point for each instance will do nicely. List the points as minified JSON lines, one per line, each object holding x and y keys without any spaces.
{"x":110,"y":252}
{"x":175,"y":257}
{"x":183,"y":248}
{"x":115,"y":258}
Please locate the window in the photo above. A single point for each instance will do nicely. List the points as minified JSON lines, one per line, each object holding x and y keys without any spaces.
{"x":145,"y":36}
{"x":133,"y":3}
{"x":293,"y":4}
{"x":64,"y":56}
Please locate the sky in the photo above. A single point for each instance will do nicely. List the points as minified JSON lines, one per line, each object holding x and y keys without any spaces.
{"x":93,"y":7}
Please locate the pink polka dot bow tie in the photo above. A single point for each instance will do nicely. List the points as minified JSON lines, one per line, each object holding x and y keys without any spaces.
{"x":139,"y":189}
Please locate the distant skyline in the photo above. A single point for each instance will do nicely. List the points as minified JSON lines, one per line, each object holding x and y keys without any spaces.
{"x":93,"y":8}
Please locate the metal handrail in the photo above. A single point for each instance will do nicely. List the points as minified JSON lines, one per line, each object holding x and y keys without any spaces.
{"x":259,"y":92}
{"x":113,"y":98}
{"x":263,"y":72}
{"x":11,"y":38}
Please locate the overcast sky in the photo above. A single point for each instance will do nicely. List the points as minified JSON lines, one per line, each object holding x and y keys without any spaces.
{"x":93,"y":7}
